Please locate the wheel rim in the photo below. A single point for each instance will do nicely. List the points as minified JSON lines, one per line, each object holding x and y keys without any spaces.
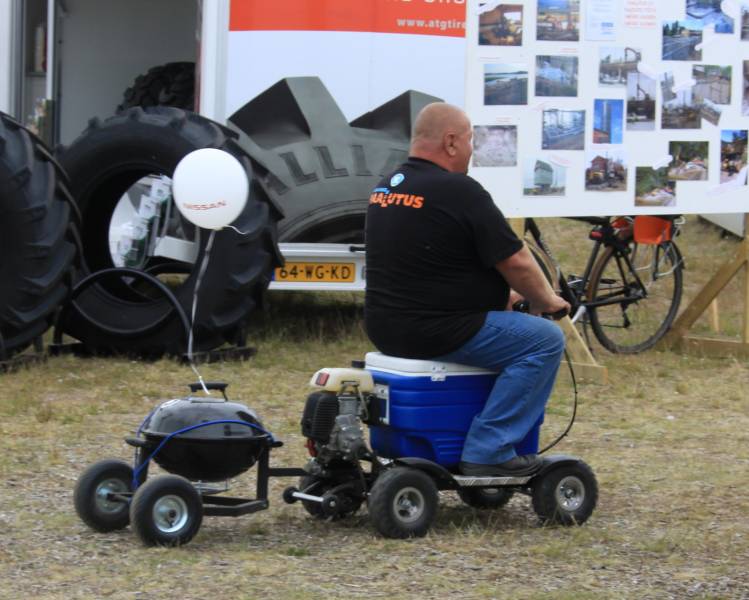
{"x":170,"y":513}
{"x":408,"y":504}
{"x":570,"y":493}
{"x":106,"y":487}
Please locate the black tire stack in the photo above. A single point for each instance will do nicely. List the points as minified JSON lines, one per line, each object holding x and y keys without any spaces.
{"x":172,"y":84}
{"x":37,"y":237}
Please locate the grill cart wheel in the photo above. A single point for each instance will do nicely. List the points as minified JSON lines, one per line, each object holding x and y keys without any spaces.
{"x":166,"y":511}
{"x":93,"y":495}
{"x":491,"y":498}
{"x":403,"y":503}
{"x":566,"y":495}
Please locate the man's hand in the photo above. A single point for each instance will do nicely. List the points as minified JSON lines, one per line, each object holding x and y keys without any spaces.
{"x":553,"y":305}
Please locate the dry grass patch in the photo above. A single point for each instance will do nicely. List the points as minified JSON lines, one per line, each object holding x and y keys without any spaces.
{"x":668,"y":440}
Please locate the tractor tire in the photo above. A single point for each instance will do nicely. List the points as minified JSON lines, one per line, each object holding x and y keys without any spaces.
{"x":37,"y":237}
{"x":319,"y":168}
{"x":114,"y":317}
{"x":172,"y":84}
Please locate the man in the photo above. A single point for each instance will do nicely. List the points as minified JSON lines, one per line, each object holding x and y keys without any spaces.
{"x":441,"y":263}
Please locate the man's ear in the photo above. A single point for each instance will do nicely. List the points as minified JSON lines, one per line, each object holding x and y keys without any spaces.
{"x":450,"y":144}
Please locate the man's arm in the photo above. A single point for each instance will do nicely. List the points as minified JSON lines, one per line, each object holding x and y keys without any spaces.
{"x":524,"y":275}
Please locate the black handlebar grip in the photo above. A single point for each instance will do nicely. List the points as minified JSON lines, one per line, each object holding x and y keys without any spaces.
{"x":524,"y":306}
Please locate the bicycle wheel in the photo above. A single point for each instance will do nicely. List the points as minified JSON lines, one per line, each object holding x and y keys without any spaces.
{"x":644,"y":295}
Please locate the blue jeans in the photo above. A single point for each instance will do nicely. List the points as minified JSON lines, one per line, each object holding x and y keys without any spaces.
{"x":527,"y":351}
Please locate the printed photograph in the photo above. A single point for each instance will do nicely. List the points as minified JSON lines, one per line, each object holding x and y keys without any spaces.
{"x":495,"y":146}
{"x":745,"y":21}
{"x":608,"y":121}
{"x":505,"y":84}
{"x":711,"y":112}
{"x":690,"y":161}
{"x":709,"y":13}
{"x":502,"y":26}
{"x":606,"y":171}
{"x":615,"y":64}
{"x":556,"y":75}
{"x":543,"y":178}
{"x":713,"y":83}
{"x":682,"y":112}
{"x":745,"y":103}
{"x":641,"y":93}
{"x":733,"y":156}
{"x":558,"y":21}
{"x":680,"y":39}
{"x":654,"y":188}
{"x":667,"y":86}
{"x":563,"y":129}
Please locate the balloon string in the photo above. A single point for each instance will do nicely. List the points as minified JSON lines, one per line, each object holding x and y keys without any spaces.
{"x":237,"y":230}
{"x":201,"y":272}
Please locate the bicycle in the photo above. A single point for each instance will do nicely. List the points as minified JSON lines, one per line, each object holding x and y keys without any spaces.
{"x":631,"y":288}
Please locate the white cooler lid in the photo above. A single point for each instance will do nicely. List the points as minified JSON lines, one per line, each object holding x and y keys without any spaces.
{"x":393,"y":364}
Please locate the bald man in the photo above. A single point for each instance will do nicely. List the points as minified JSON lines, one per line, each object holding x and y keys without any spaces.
{"x":441,"y":265}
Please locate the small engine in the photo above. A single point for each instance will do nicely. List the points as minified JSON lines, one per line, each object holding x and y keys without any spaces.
{"x":332,"y":418}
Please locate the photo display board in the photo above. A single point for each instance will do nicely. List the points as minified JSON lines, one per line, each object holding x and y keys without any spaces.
{"x":609,"y":107}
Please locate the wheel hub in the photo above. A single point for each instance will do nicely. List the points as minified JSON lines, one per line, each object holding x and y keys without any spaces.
{"x":170,"y":514}
{"x":570,"y":493}
{"x":409,"y":504}
{"x":104,"y":502}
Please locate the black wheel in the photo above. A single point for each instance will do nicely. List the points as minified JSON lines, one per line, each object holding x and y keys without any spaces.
{"x":485,"y":497}
{"x":318,"y":167}
{"x":93,"y":495}
{"x":113,"y":166}
{"x":647,"y":296}
{"x":403,"y":503}
{"x":566,"y":495}
{"x":172,"y":84}
{"x":36,"y":237}
{"x":166,"y":511}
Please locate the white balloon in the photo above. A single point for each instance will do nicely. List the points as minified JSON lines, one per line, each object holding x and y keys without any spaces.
{"x":210,"y":188}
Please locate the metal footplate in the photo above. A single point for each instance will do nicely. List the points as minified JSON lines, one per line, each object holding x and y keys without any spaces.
{"x":470,"y":481}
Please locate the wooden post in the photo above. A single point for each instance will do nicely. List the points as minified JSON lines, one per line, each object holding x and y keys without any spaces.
{"x":585,"y":366}
{"x":678,"y":336}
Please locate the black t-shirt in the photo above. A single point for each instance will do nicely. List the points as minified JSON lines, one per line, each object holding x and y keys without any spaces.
{"x":433,"y":239}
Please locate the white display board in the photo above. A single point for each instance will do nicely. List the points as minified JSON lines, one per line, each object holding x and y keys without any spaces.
{"x":604,"y":107}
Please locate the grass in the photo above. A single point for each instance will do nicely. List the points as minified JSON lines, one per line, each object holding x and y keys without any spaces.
{"x":668,"y":439}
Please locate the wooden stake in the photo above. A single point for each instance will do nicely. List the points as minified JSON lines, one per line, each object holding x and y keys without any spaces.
{"x":678,"y":338}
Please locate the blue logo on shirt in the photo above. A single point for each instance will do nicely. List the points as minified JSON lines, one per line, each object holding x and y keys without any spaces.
{"x":396,"y":179}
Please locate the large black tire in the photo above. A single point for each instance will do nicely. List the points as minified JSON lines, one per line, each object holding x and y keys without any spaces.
{"x":403,"y":503}
{"x":166,"y":511}
{"x":91,"y":500}
{"x":319,"y":168}
{"x":172,"y":84}
{"x":104,"y":162}
{"x":36,"y":237}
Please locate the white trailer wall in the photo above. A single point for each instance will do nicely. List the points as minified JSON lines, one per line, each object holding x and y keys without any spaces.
{"x":105,"y":45}
{"x":6,"y":56}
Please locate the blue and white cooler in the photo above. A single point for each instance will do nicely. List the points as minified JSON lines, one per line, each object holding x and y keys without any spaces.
{"x":425,"y":408}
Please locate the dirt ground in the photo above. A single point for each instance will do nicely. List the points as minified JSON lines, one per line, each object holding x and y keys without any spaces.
{"x":668,"y":439}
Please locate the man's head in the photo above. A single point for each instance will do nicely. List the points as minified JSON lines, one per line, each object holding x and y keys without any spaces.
{"x":442,"y":134}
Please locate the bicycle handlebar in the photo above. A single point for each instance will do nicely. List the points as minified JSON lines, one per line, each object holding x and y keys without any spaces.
{"x":524,"y":307}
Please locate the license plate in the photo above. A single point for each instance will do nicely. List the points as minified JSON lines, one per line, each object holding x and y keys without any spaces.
{"x":316,"y":272}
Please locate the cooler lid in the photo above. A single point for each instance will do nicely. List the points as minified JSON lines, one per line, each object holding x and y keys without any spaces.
{"x":378,"y":361}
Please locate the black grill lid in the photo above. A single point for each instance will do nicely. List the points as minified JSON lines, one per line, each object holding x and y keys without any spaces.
{"x":173,"y":415}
